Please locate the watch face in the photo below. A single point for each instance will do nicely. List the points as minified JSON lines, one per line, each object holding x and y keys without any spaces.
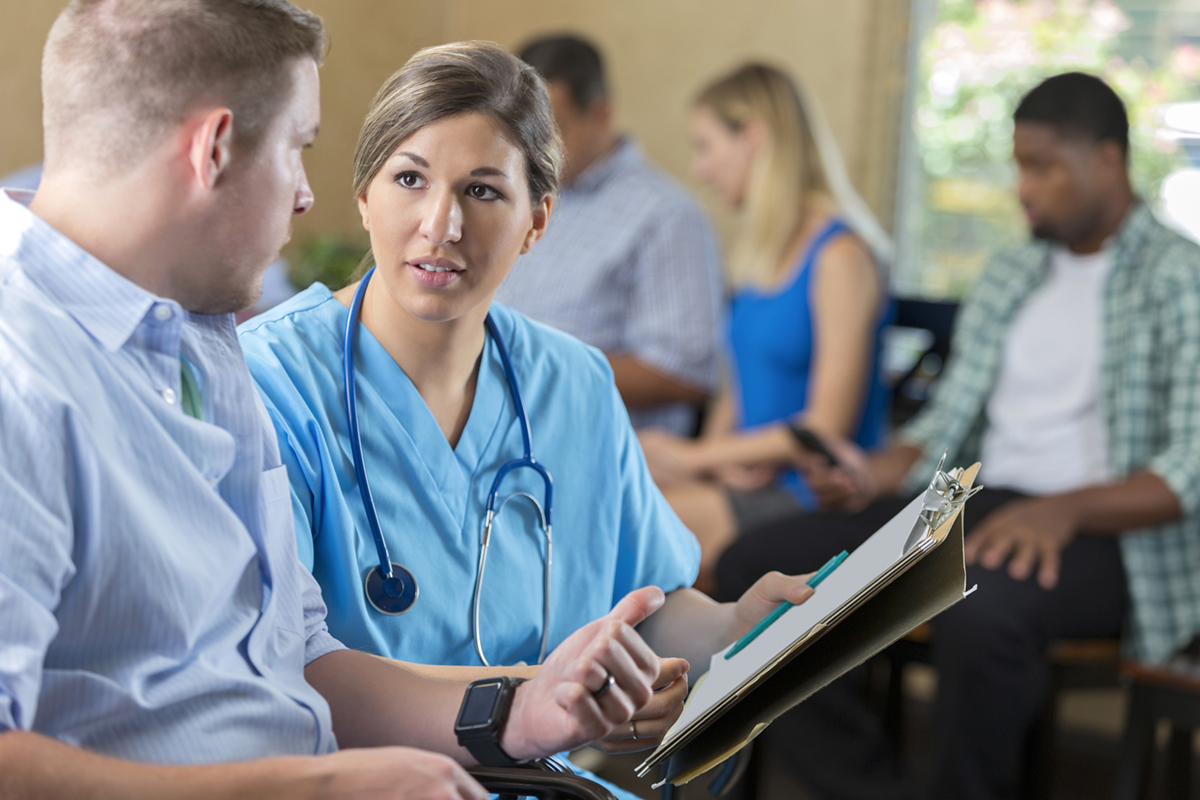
{"x":479,"y":707}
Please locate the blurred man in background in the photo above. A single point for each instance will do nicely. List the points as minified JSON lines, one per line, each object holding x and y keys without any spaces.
{"x":629,"y":263}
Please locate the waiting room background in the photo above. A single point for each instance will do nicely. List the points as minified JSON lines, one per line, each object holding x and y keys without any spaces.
{"x":954,"y":67}
{"x":850,"y":53}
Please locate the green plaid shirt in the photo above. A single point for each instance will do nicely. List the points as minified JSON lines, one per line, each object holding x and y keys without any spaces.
{"x":1150,"y":398}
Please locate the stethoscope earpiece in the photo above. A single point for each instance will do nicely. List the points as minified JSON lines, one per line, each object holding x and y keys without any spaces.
{"x":392,"y":596}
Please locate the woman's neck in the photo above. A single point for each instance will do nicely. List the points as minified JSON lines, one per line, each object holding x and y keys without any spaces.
{"x":807,"y":227}
{"x":440,"y":358}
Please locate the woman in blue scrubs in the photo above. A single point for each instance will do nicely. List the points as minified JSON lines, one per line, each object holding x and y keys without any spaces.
{"x":455,"y":174}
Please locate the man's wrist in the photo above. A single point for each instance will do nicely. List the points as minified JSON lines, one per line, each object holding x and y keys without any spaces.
{"x":1071,"y":507}
{"x":888,"y":469}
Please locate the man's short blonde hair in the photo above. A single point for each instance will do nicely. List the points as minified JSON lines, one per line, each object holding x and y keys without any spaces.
{"x":118,"y":75}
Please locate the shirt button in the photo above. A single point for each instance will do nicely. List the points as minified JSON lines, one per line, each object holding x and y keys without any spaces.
{"x":168,"y":394}
{"x":163,"y":312}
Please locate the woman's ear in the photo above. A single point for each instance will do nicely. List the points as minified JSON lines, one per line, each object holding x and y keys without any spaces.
{"x":363,"y":210}
{"x":541,"y":217}
{"x":755,"y":132}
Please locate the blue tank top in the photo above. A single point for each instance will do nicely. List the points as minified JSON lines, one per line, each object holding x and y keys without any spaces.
{"x":770,"y":338}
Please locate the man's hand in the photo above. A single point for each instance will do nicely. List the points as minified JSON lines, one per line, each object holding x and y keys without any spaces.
{"x":1027,"y":534}
{"x":849,"y":486}
{"x":402,"y":773}
{"x":648,"y":725}
{"x":764,"y":597}
{"x":559,"y":709}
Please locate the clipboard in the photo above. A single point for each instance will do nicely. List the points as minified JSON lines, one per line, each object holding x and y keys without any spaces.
{"x":905,"y":574}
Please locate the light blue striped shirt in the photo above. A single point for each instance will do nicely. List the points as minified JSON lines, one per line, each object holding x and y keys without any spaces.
{"x":152,"y":606}
{"x":629,"y":264}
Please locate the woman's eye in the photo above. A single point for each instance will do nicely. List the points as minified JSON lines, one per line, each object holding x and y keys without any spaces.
{"x":481,"y":191}
{"x":409,"y":180}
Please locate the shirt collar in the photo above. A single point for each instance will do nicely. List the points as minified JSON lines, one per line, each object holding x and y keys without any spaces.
{"x":625,"y":153}
{"x":1127,"y":241}
{"x":104,"y":303}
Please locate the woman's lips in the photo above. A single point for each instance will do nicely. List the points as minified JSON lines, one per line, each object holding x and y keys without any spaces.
{"x":435,"y":273}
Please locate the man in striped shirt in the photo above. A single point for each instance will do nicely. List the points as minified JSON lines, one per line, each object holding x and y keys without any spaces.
{"x":629,"y":262}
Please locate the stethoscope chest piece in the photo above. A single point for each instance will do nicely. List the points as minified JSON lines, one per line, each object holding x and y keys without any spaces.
{"x":394,"y":595}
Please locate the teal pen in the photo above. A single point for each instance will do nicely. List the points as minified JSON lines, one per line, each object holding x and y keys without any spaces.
{"x":766,"y":621}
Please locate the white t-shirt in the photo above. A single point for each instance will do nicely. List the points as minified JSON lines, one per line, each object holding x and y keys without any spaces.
{"x":1046,"y":432}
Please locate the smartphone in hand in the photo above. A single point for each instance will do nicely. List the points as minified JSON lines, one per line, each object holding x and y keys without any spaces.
{"x":809,"y":441}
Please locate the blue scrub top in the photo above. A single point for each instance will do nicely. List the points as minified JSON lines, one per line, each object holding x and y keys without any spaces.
{"x":613,"y":530}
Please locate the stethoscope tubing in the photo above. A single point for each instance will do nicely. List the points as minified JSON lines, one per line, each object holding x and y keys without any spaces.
{"x":388,"y":584}
{"x":364,"y":486}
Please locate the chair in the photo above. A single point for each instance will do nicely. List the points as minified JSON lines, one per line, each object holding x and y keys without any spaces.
{"x":918,"y":370}
{"x":1074,"y":664}
{"x":546,"y":780}
{"x":1158,"y":692}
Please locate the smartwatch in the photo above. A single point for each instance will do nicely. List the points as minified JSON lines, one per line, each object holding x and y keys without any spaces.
{"x":481,"y":719}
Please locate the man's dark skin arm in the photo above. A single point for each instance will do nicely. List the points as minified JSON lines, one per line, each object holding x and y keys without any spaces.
{"x":1029,"y":534}
{"x":1032,"y":533}
{"x":642,"y":386}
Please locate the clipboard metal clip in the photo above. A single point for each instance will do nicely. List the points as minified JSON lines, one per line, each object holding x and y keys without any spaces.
{"x":945,"y":496}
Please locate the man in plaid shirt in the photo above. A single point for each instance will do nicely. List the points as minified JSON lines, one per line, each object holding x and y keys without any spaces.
{"x":1075,"y":380}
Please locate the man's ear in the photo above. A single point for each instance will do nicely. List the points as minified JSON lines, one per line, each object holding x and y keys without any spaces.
{"x":601,"y":113}
{"x":541,"y":217}
{"x":1111,"y":156}
{"x":210,"y":151}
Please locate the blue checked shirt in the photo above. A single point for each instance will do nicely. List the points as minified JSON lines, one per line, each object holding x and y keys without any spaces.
{"x":152,"y":605}
{"x":629,"y":264}
{"x":1150,"y":396}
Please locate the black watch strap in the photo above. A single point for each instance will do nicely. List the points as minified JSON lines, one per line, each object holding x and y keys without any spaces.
{"x":482,"y":717}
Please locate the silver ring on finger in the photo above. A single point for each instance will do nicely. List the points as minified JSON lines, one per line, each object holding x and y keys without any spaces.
{"x":609,"y":681}
{"x":633,"y":730}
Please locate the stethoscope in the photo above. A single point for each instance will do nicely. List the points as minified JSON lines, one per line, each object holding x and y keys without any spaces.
{"x":390,"y":587}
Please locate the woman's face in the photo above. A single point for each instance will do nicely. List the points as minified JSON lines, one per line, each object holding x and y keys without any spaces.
{"x":448,"y":214}
{"x":721,"y":158}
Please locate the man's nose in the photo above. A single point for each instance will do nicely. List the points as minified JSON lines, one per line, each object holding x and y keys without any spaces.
{"x":304,"y":195}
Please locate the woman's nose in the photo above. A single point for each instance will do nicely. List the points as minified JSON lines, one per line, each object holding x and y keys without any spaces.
{"x":443,"y":219}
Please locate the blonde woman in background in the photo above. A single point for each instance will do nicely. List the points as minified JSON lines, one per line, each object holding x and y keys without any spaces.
{"x":808,"y":307}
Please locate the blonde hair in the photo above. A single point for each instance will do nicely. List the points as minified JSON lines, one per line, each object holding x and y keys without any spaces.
{"x":118,"y":74}
{"x":786,"y":182}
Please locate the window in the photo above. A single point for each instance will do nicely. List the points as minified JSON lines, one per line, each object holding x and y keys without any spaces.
{"x":974,"y":59}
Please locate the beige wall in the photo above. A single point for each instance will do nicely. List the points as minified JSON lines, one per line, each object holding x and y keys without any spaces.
{"x":849,"y":53}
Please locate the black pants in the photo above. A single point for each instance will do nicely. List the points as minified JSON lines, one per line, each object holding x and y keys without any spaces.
{"x":988,"y":651}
